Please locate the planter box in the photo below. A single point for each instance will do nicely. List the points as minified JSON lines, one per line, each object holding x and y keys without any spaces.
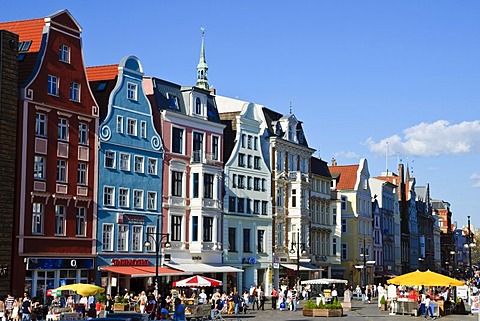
{"x":120,"y":307}
{"x":322,"y":312}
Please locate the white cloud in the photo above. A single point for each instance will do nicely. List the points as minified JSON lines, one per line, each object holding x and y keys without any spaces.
{"x":349,"y":154}
{"x":476,"y":178}
{"x":431,"y":139}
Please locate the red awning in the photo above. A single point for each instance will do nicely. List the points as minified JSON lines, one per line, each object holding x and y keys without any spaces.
{"x":141,"y":271}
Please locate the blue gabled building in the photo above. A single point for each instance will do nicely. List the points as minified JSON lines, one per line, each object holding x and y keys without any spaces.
{"x":129,"y":177}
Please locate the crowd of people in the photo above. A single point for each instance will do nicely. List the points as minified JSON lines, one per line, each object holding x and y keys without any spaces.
{"x":16,"y":309}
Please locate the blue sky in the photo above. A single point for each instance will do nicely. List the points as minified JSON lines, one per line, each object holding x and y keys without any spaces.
{"x":358,"y":73}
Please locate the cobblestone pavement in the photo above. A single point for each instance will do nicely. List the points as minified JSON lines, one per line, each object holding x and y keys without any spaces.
{"x":359,"y":311}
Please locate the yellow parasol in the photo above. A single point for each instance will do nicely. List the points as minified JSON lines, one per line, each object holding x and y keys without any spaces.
{"x":427,"y":278}
{"x":82,"y":289}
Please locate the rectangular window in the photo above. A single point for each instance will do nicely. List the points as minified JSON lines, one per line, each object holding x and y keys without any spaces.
{"x":241,"y":160}
{"x":334,"y":216}
{"x":122,"y":239}
{"x":173,"y":101}
{"x":120,"y":124}
{"x":234,"y":180}
{"x":52,"y":85}
{"x":246,"y":240}
{"x":107,"y":237}
{"x":344,"y":251}
{"x":177,"y":140}
{"x":64,"y":54}
{"x":241,"y":181}
{"x":232,"y":204}
{"x":294,"y":198}
{"x":63,"y":129}
{"x":37,"y":218}
{"x":264,"y":185}
{"x":249,"y":161}
{"x":61,"y":171}
{"x":256,"y":183}
{"x":334,"y":246}
{"x":194,"y":228}
{"x":109,"y":159}
{"x":177,"y":183}
{"x":131,"y":91}
{"x":138,"y":199}
{"x":240,"y":205}
{"x":261,"y":241}
{"x":264,"y":207}
{"x":39,"y":168}
{"x":40,"y":125}
{"x":249,"y":206}
{"x":108,"y":195}
{"x":249,"y":182}
{"x":195,"y":185}
{"x":143,"y":129}
{"x":197,"y":147}
{"x":131,"y":126}
{"x":60,"y":213}
{"x":83,"y":134}
{"x":123,"y":197}
{"x":215,"y":148}
{"x":176,"y":232}
{"x":152,"y":166}
{"x":256,"y":162}
{"x":232,"y":239}
{"x":81,"y":221}
{"x":124,"y":162}
{"x":208,"y":186}
{"x":139,"y":161}
{"x":137,"y":232}
{"x":255,"y":143}
{"x":75,"y":91}
{"x":244,"y":140}
{"x":82,"y":174}
{"x":280,"y":162}
{"x":150,"y":231}
{"x":344,"y":225}
{"x":152,"y":200}
{"x":207,"y":229}
{"x":344,"y":202}
{"x":256,"y":207}
{"x":249,"y":142}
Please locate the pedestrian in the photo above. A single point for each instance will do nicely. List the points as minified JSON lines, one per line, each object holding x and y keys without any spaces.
{"x":179,"y":314}
{"x":364,"y":293}
{"x":334,"y":294}
{"x":251,"y":294}
{"x":274,"y":295}
{"x":26,"y":308}
{"x":261,"y":298}
{"x":15,"y":316}
{"x":428,"y":308}
{"x":9,"y":306}
{"x":358,"y":292}
{"x":108,"y":305}
{"x":236,"y":302}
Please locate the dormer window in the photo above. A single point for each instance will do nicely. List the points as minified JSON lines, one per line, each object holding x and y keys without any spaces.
{"x":198,"y":106}
{"x":290,"y":132}
{"x":173,"y":101}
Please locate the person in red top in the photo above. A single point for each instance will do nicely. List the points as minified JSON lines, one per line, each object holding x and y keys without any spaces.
{"x":98,"y":308}
{"x":274,"y":298}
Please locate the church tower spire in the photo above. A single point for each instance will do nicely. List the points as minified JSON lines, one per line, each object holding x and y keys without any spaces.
{"x":202,"y":68}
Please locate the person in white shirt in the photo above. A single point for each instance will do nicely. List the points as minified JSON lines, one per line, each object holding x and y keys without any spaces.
{"x":428,"y":308}
{"x":202,"y":297}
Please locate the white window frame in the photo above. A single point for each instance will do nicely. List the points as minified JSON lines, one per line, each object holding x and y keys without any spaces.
{"x":109,"y":191}
{"x":138,"y":195}
{"x":182,"y":143}
{"x":82,"y":174}
{"x":152,"y":166}
{"x":132,"y":91}
{"x":41,"y":125}
{"x":61,"y":171}
{"x":81,"y":227}
{"x":39,"y":168}
{"x":38,"y":214}
{"x":151,"y":200}
{"x":131,"y":126}
{"x":215,"y":150}
{"x":143,"y":129}
{"x":122,"y":238}
{"x":139,"y":164}
{"x":83,"y":134}
{"x":124,"y":162}
{"x":108,"y":154}
{"x":123,"y":197}
{"x":60,"y":221}
{"x":137,"y":236}
{"x":63,"y":129}
{"x":53,"y":85}
{"x":107,"y":234}
{"x":64,"y":54}
{"x":150,"y":230}
{"x":119,"y":124}
{"x":75,"y":91}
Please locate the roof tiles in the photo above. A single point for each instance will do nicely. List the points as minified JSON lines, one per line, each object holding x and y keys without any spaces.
{"x":27,"y":30}
{"x":347,"y":176}
{"x":107,"y":72}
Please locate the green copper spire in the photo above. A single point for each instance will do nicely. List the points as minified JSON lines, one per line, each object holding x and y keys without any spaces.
{"x":202,"y":68}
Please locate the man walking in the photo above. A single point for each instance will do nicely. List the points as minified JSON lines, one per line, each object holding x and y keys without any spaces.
{"x":26,"y":308}
{"x":274,"y":295}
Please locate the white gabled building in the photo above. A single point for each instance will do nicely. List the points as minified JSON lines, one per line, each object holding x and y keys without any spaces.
{"x":247,"y":220}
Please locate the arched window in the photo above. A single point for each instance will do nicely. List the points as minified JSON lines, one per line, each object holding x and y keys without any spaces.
{"x":198,"y":106}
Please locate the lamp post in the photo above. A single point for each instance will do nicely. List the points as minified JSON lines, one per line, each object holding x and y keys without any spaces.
{"x":470,"y":243}
{"x":157,"y":237}
{"x":364,"y":255}
{"x":452,"y":253}
{"x":296,"y":247}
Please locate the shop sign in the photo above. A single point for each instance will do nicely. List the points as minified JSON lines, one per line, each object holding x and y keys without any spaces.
{"x":54,"y":264}
{"x":130,"y":262}
{"x":249,"y":260}
{"x":130,"y":219}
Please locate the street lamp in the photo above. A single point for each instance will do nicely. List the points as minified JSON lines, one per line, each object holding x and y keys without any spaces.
{"x":470,"y":243}
{"x":296,"y":247}
{"x":157,"y":239}
{"x":452,"y":253}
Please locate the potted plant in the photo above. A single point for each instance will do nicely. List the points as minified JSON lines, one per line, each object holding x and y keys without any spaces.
{"x":333,"y":309}
{"x":383,"y":303}
{"x":308,"y":308}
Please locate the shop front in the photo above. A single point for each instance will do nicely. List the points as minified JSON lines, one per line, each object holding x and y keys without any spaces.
{"x":44,"y":273}
{"x":288,"y":273}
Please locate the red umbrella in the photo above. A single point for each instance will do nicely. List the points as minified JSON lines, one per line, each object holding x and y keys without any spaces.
{"x":197,"y":281}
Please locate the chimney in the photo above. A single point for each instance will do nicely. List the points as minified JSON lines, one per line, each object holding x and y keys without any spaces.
{"x":334,"y":162}
{"x":401,"y":173}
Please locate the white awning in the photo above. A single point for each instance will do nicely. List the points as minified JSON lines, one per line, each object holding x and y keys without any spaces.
{"x":302,"y":267}
{"x":325,"y":281}
{"x":202,"y":267}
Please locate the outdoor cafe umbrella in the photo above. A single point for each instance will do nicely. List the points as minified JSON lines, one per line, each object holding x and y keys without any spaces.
{"x":197,"y":281}
{"x":82,"y":289}
{"x":427,"y":278}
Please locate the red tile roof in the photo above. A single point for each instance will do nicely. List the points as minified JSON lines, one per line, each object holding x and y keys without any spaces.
{"x":97,"y":73}
{"x":347,"y":176}
{"x":27,"y":30}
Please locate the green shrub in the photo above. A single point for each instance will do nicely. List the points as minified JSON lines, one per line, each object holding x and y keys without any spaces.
{"x":321,"y":305}
{"x":334,"y":305}
{"x":101,"y":297}
{"x":310,"y":304}
{"x":383,"y":300}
